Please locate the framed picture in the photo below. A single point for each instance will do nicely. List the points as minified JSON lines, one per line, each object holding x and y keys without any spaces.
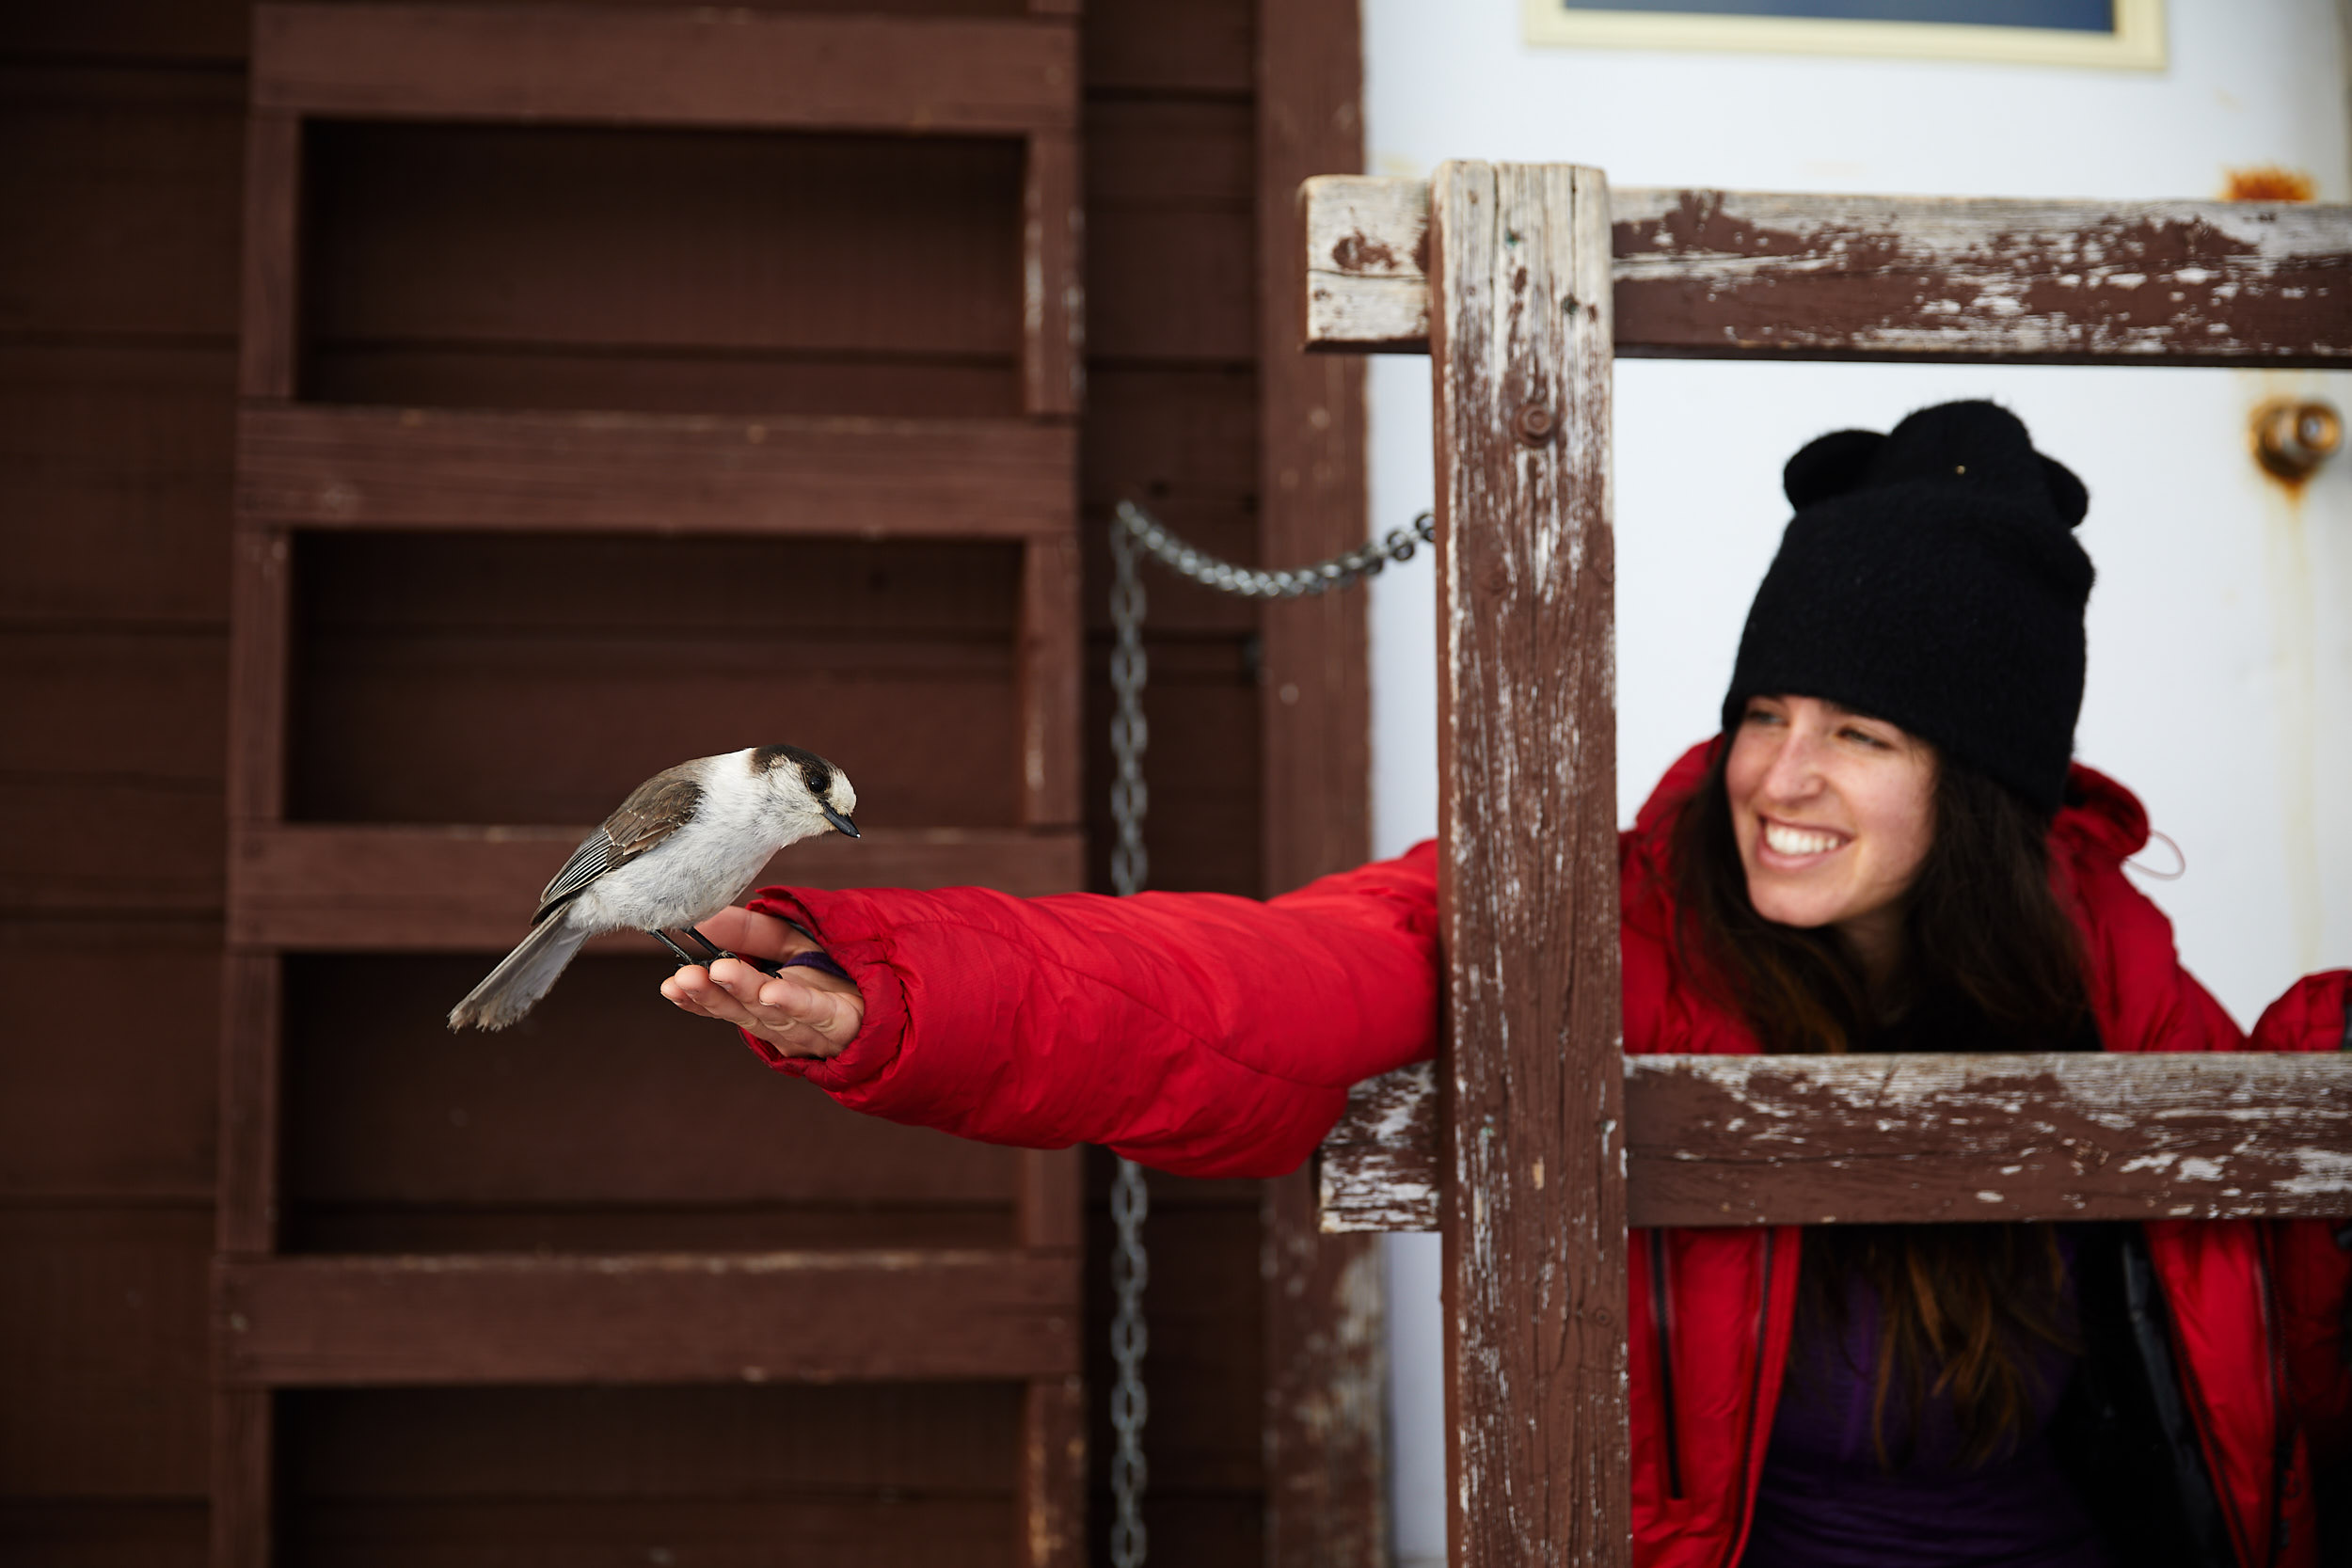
{"x":2119,"y":34}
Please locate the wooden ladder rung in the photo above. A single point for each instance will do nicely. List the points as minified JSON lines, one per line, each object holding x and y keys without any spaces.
{"x":1899,"y":1139}
{"x":730,"y":66}
{"x":497,"y":1318}
{"x":377,"y":888}
{"x":311,"y":467}
{"x":1727,"y":275}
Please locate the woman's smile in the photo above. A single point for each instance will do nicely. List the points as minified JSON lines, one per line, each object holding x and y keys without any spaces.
{"x":1793,"y":846}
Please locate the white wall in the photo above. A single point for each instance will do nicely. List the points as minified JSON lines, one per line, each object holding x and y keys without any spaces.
{"x":2221,"y":683}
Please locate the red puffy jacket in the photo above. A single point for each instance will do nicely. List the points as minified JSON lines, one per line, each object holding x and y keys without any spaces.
{"x":1214,"y":1036}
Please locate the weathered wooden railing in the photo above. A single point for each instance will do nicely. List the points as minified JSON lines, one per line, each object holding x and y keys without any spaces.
{"x":1535,"y":1143}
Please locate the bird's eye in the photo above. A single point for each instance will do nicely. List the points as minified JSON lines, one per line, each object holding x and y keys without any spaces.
{"x":817,"y":779}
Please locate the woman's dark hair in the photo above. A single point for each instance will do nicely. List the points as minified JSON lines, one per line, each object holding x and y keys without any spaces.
{"x":1990,"y":962}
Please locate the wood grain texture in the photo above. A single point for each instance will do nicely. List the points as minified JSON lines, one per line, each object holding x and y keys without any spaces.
{"x":251,"y":996}
{"x":1327,"y":1376}
{"x":1051,"y":655}
{"x":488,"y":1318}
{"x":244,"y":1475}
{"x":1533,"y":1191}
{"x":705,"y":66}
{"x":1053,"y":276}
{"x":471,"y":889}
{"x":1872,"y":1140}
{"x":653,"y":473}
{"x":1053,"y":1473}
{"x":740,"y":250}
{"x":1325,"y":1456}
{"x":268,"y":337}
{"x":1734,"y":274}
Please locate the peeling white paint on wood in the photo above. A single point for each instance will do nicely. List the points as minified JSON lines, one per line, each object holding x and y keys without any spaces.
{"x":1774,"y":1140}
{"x":1721,"y":274}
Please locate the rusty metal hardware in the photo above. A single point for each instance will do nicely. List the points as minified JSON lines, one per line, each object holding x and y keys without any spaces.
{"x":2292,"y":439}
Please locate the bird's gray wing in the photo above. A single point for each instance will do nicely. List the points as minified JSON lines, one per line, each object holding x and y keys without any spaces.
{"x":654,"y":811}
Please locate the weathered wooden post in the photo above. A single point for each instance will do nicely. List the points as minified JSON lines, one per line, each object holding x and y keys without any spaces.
{"x":1533,"y":1212}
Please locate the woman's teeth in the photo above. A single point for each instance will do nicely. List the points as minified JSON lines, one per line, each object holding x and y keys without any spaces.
{"x":1797,"y":841}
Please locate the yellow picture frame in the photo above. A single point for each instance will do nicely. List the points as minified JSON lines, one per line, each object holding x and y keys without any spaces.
{"x":2137,"y":42}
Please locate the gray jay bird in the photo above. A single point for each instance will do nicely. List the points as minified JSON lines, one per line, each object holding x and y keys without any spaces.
{"x":685,"y":845}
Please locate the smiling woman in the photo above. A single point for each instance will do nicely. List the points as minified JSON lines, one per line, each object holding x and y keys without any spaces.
{"x":1889,"y":848}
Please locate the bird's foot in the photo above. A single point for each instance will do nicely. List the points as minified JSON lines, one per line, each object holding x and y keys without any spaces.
{"x":717,"y":952}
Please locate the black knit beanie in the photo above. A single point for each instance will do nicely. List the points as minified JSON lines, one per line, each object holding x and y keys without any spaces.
{"x":1931,"y":578}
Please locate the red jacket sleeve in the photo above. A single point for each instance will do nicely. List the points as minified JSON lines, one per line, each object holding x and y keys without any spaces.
{"x":1196,"y":1033}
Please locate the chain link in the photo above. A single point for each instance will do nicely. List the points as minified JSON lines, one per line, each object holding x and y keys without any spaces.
{"x":1134,"y":531}
{"x":1341,"y":571}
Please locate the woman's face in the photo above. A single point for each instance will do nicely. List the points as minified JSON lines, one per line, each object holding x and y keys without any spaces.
{"x":1834,"y":812}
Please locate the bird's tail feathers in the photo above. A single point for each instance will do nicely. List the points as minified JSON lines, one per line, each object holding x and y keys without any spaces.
{"x":521,"y":977}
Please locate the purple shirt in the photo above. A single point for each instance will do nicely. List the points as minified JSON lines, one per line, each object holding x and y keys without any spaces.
{"x":1825,"y":1501}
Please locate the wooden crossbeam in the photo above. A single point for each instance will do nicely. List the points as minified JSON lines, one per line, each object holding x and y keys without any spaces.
{"x":572,"y":1317}
{"x":1739,"y":273}
{"x":334,"y":888}
{"x":723,"y":66}
{"x":1873,"y":1140}
{"x":447,"y":470}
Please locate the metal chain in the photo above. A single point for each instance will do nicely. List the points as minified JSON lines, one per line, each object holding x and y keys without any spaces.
{"x":1341,"y":571}
{"x":1131,"y":1269}
{"x":1133,"y":531}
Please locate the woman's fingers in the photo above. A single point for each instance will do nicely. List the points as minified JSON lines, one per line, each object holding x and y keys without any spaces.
{"x":816,"y":1016}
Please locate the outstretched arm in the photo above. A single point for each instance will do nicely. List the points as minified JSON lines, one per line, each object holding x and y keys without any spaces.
{"x":1197,"y":1033}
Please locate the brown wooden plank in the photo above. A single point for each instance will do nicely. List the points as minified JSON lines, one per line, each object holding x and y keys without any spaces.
{"x":244,"y":1490}
{"x":1533,"y":1193}
{"x":1206,"y":1312}
{"x":122,"y":185}
{"x":1133,"y":47}
{"x":876,"y":1531}
{"x":104,"y":1532}
{"x":1325,"y":1371}
{"x":143,"y":31}
{"x":1170,"y":211}
{"x":269,"y":334}
{"x":393,"y":1125}
{"x":1049,"y":676}
{"x":1377,"y":1168}
{"x":1052,"y":1198}
{"x":115,"y":472}
{"x":1735,"y":274}
{"x":470,"y":889}
{"x":1053,"y":278}
{"x":745,"y":248}
{"x":1053,"y":1474}
{"x":488,"y":1318}
{"x":649,"y":1443}
{"x":739,"y":66}
{"x":260,"y":612}
{"x":77,"y":1123}
{"x":587,"y":474}
{"x":245,"y":1222}
{"x":1204,"y":773}
{"x":102,"y":1350}
{"x":1326,"y":1463}
{"x":596,"y":1225}
{"x":689,"y":379}
{"x":1827,"y":1140}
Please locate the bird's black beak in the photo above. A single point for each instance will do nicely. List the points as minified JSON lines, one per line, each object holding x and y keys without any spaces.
{"x":840,"y":823}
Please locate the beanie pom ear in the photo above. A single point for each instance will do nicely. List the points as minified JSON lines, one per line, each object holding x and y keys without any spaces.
{"x":2066,"y":492}
{"x":1831,"y":465}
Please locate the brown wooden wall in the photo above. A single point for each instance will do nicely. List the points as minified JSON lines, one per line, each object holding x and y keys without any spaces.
{"x":677,"y":287}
